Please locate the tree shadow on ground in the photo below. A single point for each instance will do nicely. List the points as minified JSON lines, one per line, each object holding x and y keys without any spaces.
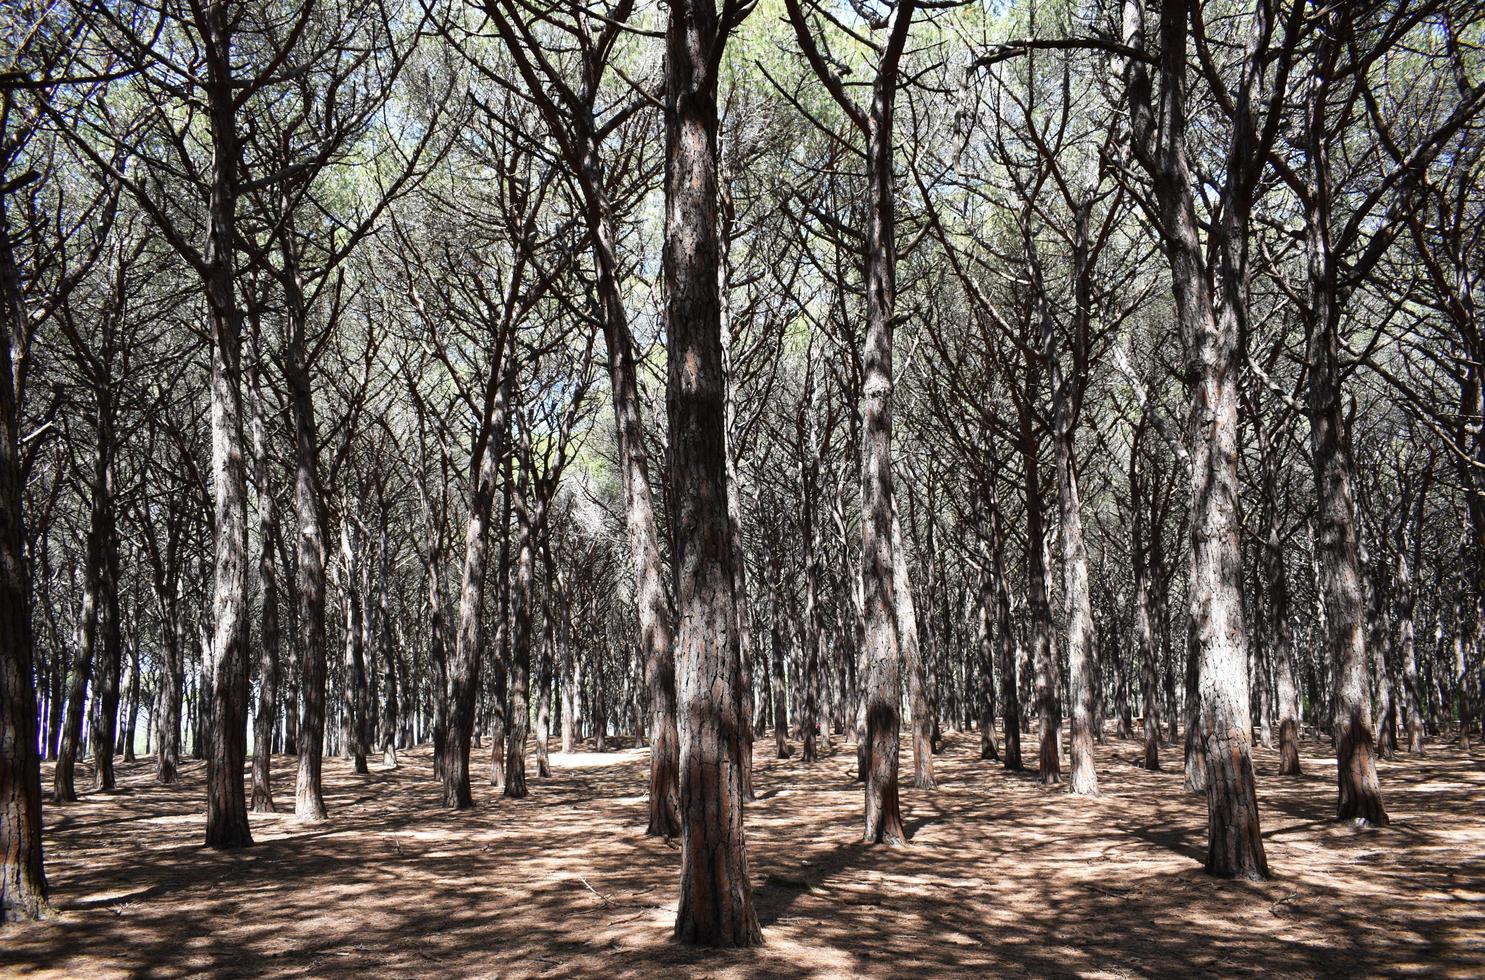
{"x":1000,"y":875}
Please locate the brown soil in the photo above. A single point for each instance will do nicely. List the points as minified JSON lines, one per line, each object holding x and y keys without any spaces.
{"x":1002,"y":876}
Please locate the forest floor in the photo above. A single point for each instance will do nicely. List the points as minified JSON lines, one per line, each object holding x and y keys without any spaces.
{"x":1002,"y":876}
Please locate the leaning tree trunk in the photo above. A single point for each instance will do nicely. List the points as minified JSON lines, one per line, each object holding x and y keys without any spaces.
{"x":716,"y":902}
{"x":652,"y":604}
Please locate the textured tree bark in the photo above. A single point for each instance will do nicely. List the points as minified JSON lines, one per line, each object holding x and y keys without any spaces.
{"x":464,"y":667}
{"x":656,"y":630}
{"x":64,"y":787}
{"x":103,"y":583}
{"x":353,"y":688}
{"x":517,"y":724}
{"x":986,"y":673}
{"x":572,"y":124}
{"x":226,"y":810}
{"x":1212,"y":339}
{"x":882,"y":646}
{"x":716,"y":902}
{"x":1379,"y":645}
{"x":268,"y":641}
{"x":912,"y":656}
{"x":310,"y":533}
{"x":1042,"y":630}
{"x":23,"y":889}
{"x":1337,"y":544}
{"x":1083,"y":779}
{"x":1143,"y":634}
{"x":1407,"y":650}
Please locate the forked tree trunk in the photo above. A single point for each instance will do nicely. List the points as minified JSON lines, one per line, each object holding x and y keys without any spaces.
{"x":1212,"y":340}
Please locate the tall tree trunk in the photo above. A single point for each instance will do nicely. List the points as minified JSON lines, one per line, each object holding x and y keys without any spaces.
{"x":1043,"y":634}
{"x":652,"y":603}
{"x":310,"y":520}
{"x":168,"y":700}
{"x":912,"y":656}
{"x":103,"y":573}
{"x":1407,"y":650}
{"x":1359,"y":793}
{"x":268,"y":642}
{"x":716,"y":902}
{"x":528,"y":517}
{"x":1213,"y":349}
{"x":353,"y":687}
{"x":463,"y":672}
{"x":226,"y":811}
{"x":882,"y":647}
{"x":23,"y":890}
{"x":1144,"y":637}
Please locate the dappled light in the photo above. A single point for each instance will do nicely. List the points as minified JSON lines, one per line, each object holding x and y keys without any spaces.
{"x":1001,"y":876}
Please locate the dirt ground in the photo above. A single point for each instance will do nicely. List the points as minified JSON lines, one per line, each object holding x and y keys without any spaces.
{"x":1002,"y":876}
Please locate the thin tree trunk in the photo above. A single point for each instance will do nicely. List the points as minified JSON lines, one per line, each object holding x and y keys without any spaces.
{"x":912,"y":656}
{"x":268,"y":641}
